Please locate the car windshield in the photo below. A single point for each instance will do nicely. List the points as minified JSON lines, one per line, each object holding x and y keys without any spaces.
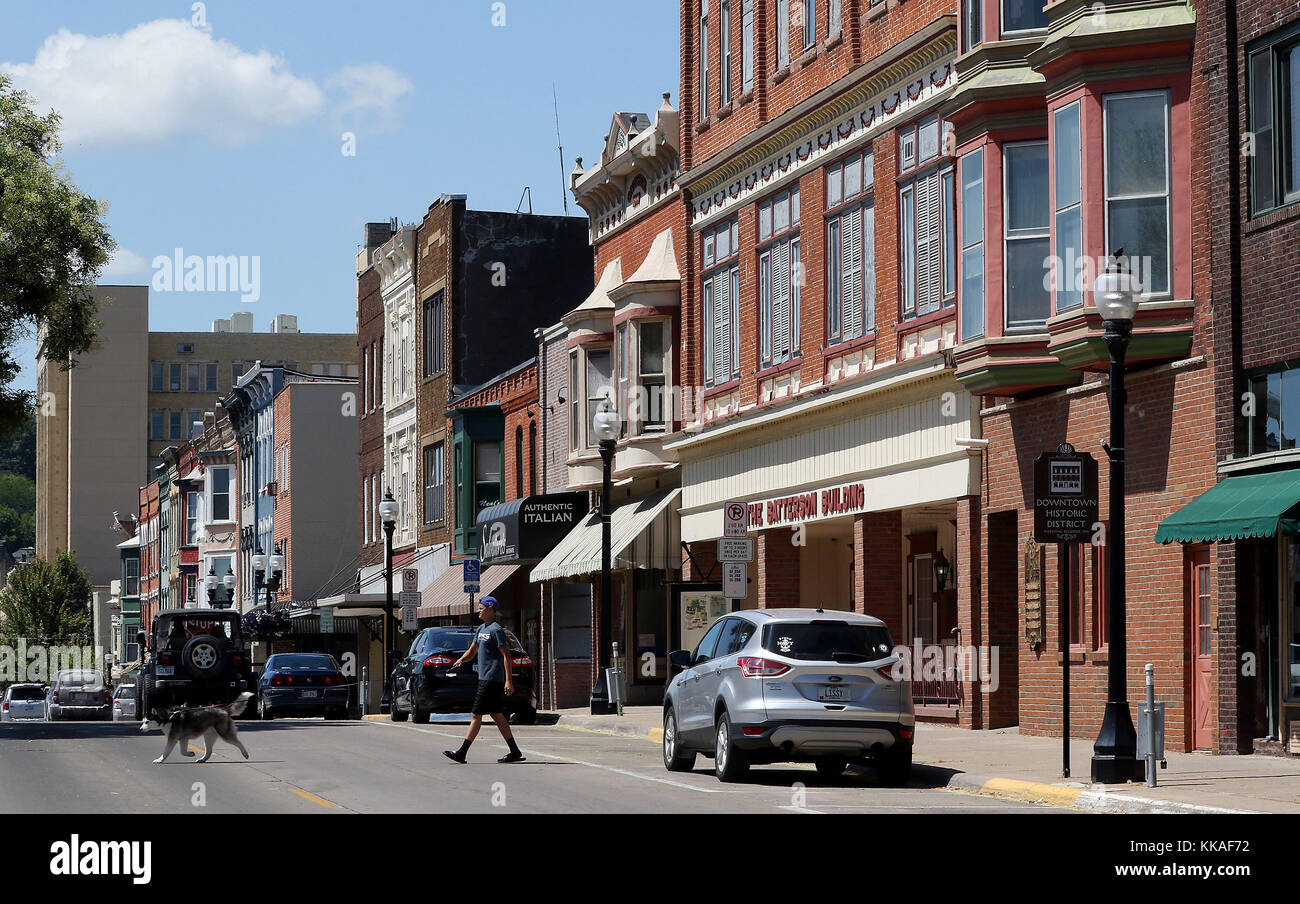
{"x":81,"y":679}
{"x":449,"y":641}
{"x":124,"y":691}
{"x":828,"y":641}
{"x":31,"y":692}
{"x":320,"y":661}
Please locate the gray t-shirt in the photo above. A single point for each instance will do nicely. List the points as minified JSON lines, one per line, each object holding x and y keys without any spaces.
{"x":491,"y":640}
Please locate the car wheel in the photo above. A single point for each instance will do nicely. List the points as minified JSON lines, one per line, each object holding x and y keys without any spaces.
{"x":147,"y":698}
{"x":894,"y":768}
{"x":419,"y":716}
{"x":264,"y":710}
{"x":729,"y":763}
{"x":396,"y":714}
{"x":676,"y":758}
{"x":526,"y":716}
{"x":831,"y":767}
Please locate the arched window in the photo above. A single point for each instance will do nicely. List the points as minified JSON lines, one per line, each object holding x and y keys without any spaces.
{"x":532,"y":458}
{"x":519,"y":462}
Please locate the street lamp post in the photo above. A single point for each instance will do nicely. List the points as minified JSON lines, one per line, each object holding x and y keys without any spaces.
{"x":605,"y":424}
{"x":388,"y":515}
{"x":267,"y":571}
{"x":1114,"y":759}
{"x":212,"y":582}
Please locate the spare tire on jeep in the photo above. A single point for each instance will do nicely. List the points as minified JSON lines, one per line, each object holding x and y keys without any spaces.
{"x":202,"y":654}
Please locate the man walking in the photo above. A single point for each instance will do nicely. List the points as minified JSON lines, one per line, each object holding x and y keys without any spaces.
{"x":494,"y":682}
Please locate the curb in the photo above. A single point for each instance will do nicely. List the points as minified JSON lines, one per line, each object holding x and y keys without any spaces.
{"x":1078,"y":798}
{"x":654,"y":735}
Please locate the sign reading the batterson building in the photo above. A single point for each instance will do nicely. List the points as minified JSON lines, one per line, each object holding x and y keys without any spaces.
{"x":841,"y":500}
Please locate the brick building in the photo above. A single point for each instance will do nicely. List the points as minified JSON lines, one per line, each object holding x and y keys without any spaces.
{"x":819,"y":310}
{"x":370,"y":398}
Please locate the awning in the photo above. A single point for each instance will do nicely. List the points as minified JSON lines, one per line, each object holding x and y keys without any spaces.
{"x":1238,"y":508}
{"x":347,"y":604}
{"x":580,"y":552}
{"x":446,"y":596}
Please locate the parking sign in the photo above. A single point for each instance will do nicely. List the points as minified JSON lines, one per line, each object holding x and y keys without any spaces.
{"x":735,"y":519}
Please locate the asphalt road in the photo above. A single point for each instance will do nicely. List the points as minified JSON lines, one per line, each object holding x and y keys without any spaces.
{"x":313,"y":766}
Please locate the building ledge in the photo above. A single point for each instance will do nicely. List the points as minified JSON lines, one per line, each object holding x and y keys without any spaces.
{"x":1010,"y":366}
{"x":1162,"y":331}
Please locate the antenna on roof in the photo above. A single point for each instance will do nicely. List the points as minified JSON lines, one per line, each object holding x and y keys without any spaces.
{"x":564,"y":195}
{"x":527,"y":193}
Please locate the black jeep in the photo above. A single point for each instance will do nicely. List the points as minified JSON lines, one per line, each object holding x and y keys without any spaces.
{"x":195,"y":657}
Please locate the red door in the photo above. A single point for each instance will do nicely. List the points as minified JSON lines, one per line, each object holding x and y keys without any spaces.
{"x":1198,"y":587}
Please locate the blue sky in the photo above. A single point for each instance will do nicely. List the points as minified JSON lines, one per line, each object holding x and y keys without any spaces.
{"x":219,"y":130}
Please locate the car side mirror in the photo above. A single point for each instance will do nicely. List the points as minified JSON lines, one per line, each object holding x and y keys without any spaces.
{"x":680,"y":658}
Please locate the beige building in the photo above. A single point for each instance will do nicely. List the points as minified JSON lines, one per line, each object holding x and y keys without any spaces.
{"x":90,"y":437}
{"x":106,"y":422}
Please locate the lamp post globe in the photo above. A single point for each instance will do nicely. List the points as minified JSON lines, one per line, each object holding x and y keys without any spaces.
{"x":228,"y":581}
{"x":259,"y":563}
{"x":277,"y":563}
{"x":1116,"y":292}
{"x":605,"y":423}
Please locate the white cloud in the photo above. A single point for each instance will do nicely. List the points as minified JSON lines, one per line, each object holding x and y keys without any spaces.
{"x":167,"y":79}
{"x":123,"y":262}
{"x":370,"y":93}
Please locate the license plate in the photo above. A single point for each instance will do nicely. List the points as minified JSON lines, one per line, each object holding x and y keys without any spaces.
{"x":166,"y":670}
{"x":310,"y":694}
{"x":832,"y":692}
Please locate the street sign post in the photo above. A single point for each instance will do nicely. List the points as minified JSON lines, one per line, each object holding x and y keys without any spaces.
{"x":410,"y":617}
{"x":327,"y":620}
{"x":472,"y":572}
{"x":410,"y":579}
{"x":1066,"y":511}
{"x":735,"y":519}
{"x":736,"y":549}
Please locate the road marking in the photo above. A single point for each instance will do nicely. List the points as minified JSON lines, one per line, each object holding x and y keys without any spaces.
{"x":793,"y":809}
{"x":307,"y":795}
{"x":566,"y":759}
{"x":196,"y":748}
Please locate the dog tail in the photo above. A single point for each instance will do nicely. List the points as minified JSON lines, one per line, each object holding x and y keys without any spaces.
{"x":237,"y":707}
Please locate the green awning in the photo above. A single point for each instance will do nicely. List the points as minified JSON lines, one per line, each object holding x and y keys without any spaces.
{"x":1238,"y":508}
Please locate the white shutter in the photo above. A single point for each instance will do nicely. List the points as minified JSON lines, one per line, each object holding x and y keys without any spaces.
{"x":781,"y":301}
{"x":707,"y":305}
{"x":765,"y":307}
{"x":851,"y":286}
{"x":929,"y":262}
{"x":722,"y":327}
{"x":868,"y":268}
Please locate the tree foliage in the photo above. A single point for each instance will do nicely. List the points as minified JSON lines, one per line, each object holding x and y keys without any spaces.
{"x":47,"y":602}
{"x":53,"y":244}
{"x":17,"y":511}
{"x":18,"y":449}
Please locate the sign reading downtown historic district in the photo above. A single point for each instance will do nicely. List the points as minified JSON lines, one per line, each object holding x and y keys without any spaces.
{"x":1065,"y":496}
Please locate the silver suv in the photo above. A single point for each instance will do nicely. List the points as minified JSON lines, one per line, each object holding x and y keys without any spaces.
{"x":782,"y":685}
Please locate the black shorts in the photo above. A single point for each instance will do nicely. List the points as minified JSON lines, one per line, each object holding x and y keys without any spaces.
{"x":489,"y":698}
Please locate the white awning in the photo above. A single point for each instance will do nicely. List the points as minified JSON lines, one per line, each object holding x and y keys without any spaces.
{"x":346,"y":604}
{"x":652,"y":519}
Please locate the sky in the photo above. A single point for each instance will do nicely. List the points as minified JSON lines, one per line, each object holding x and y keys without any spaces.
{"x":273,"y":131}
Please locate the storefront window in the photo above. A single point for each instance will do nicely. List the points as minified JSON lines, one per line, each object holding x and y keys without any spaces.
{"x":1293,"y":617}
{"x":1273,"y":418}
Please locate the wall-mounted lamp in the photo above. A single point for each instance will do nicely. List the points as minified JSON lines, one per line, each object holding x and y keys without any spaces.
{"x":942,"y":570}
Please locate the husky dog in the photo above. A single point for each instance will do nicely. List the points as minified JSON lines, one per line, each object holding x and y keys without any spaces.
{"x":208,"y":722}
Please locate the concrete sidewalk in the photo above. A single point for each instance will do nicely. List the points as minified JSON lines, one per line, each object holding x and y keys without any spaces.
{"x":1004,"y":763}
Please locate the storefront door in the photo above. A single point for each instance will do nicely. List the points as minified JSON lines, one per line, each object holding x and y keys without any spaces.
{"x":1200,"y":640}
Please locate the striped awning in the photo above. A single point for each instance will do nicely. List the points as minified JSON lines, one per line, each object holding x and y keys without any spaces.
{"x":579,"y":553}
{"x":446,"y":596}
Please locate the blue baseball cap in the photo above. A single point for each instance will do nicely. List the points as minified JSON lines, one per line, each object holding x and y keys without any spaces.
{"x":489,"y":601}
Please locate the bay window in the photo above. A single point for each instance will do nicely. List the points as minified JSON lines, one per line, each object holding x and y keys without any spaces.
{"x":597,"y":386}
{"x":972,"y":245}
{"x":623,"y":344}
{"x":720,"y":296}
{"x":779,"y":277}
{"x":1026,"y":234}
{"x":575,"y":410}
{"x":1137,"y":183}
{"x":850,"y":248}
{"x":972,"y":20}
{"x":1023,"y":15}
{"x":927,"y":248}
{"x":1066,"y":162}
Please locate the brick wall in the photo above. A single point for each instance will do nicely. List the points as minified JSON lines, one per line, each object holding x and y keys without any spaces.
{"x":282,"y":518}
{"x":778,"y":569}
{"x":435,"y":252}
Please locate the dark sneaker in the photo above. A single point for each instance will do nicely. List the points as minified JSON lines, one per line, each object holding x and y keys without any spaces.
{"x":512,"y":758}
{"x":454,"y":756}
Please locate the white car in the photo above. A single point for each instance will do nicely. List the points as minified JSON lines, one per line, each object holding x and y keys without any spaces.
{"x":22,"y":702}
{"x":124,"y":703}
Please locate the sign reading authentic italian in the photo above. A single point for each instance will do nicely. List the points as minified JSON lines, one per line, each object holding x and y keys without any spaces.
{"x":841,"y":500}
{"x":1065,"y":496}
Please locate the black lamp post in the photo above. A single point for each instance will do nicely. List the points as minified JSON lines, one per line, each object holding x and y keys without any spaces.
{"x":605,"y":425}
{"x":266,"y":573}
{"x":1114,"y":759}
{"x":388,"y":515}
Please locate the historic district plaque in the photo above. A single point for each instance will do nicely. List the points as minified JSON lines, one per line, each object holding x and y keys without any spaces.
{"x":1065,"y":496}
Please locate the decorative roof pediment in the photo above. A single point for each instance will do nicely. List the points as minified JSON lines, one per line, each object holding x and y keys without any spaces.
{"x":599,"y":301}
{"x":658,"y":268}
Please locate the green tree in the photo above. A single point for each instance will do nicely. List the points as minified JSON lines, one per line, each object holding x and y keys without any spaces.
{"x":53,"y":245}
{"x":18,"y":449}
{"x":17,"y":511}
{"x":47,"y":602}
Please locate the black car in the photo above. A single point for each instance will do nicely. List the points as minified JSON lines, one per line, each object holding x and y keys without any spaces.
{"x":424,"y":682}
{"x":195,"y":657}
